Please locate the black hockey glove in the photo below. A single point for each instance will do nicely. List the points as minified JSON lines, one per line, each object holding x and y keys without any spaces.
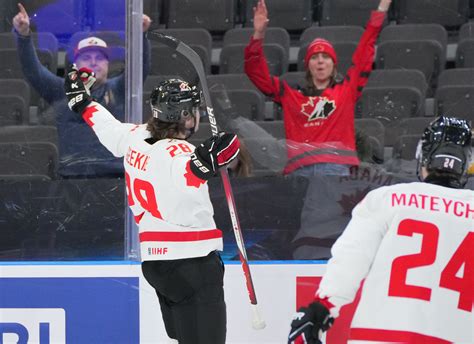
{"x":308,"y":322}
{"x":213,"y":153}
{"x":77,"y":85}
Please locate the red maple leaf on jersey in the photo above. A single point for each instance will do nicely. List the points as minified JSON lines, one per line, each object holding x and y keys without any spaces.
{"x":191,"y":178}
{"x":349,"y":201}
{"x":308,"y":107}
{"x":87,"y":114}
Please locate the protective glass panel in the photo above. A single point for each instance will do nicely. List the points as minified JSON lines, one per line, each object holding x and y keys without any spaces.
{"x":62,"y":192}
{"x":297,"y":178}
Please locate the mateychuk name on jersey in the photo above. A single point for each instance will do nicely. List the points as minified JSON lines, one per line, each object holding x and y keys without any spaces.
{"x":433,"y":203}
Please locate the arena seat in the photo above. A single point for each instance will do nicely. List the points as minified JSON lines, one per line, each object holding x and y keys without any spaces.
{"x":26,"y":158}
{"x":232,"y":58}
{"x":334,"y":34}
{"x":347,"y":12}
{"x":273,"y":35}
{"x":455,"y":93}
{"x":449,"y":13}
{"x":29,"y":133}
{"x":213,"y":15}
{"x":403,"y":155}
{"x":288,"y":14}
{"x":375,"y":130}
{"x":193,"y":37}
{"x":414,"y":46}
{"x":390,"y":96}
{"x":14,"y":102}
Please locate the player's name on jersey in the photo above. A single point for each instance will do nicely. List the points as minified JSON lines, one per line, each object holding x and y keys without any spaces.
{"x":433,"y":203}
{"x":137,"y":159}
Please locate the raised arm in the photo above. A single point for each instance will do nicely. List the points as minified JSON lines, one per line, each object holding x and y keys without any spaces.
{"x":384,"y":5}
{"x":255,"y":65}
{"x":120,"y":79}
{"x":46,"y":83}
{"x":146,"y":47}
{"x":363,"y":57}
{"x":21,"y":22}
{"x":260,"y":20}
{"x":112,"y":133}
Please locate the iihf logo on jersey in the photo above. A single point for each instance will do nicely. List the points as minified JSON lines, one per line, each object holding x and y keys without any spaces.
{"x":318,"y":108}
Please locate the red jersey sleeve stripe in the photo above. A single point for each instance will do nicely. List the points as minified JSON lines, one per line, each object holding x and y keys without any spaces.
{"x":181,"y":236}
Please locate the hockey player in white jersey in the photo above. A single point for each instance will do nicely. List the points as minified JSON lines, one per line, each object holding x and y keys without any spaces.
{"x":412,"y":244}
{"x":168,"y":195}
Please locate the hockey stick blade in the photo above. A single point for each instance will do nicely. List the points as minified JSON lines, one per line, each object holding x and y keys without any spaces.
{"x":180,"y":47}
{"x":257,"y":321}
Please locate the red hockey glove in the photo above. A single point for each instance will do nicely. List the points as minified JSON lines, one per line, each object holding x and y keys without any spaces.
{"x":308,"y":322}
{"x":77,"y":85}
{"x":213,"y":153}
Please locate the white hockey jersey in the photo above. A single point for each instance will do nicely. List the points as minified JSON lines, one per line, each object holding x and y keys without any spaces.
{"x":413,"y":243}
{"x":170,"y":204}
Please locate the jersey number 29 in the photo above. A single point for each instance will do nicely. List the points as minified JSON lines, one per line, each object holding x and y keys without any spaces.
{"x":143,"y":192}
{"x":450,"y":278}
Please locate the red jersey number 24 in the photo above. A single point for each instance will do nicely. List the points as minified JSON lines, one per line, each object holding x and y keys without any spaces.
{"x":457,"y":275}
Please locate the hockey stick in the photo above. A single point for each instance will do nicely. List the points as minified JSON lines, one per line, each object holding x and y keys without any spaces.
{"x":173,"y":43}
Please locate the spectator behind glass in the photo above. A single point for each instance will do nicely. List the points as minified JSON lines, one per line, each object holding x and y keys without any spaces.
{"x":80,"y":152}
{"x":319,"y":119}
{"x":319,"y":125}
{"x":242,"y":166}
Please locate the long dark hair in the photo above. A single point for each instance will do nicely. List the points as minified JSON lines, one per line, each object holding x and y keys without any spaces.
{"x":310,"y":88}
{"x":164,"y":130}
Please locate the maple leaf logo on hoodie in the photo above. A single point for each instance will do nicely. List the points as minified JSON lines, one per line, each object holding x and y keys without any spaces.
{"x":349,"y":201}
{"x":318,"y":108}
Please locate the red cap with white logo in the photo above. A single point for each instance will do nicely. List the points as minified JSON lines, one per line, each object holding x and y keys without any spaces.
{"x":320,"y":45}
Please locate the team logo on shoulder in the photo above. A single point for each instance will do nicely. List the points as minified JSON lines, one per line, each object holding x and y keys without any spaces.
{"x":318,"y":108}
{"x":184,"y":86}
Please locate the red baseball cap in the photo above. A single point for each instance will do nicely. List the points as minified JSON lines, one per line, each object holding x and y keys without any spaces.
{"x":320,"y":45}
